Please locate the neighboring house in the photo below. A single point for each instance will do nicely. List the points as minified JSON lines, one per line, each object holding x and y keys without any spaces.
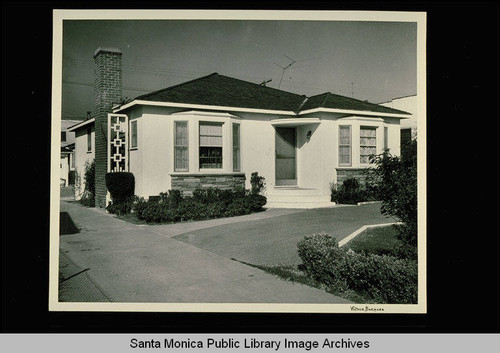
{"x":408,"y":126}
{"x":84,"y":152}
{"x":215,"y":131}
{"x":67,"y":164}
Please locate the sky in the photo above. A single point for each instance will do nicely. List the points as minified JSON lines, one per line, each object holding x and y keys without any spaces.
{"x":374,"y":61}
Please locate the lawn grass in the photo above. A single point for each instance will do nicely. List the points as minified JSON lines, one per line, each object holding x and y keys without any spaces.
{"x":379,"y":241}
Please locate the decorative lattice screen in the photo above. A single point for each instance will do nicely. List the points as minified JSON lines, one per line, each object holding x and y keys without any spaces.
{"x":117,"y":143}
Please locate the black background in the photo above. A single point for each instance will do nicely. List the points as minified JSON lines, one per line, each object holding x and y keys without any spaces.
{"x":462,"y":153}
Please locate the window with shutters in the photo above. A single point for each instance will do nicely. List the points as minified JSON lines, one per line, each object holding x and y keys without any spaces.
{"x":210,"y":145}
{"x":181,"y":149}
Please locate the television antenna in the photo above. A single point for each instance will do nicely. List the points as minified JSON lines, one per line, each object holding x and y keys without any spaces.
{"x":293,"y":62}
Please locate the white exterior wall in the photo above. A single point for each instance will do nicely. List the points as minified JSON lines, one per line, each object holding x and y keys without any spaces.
{"x":407,"y":104}
{"x":152,"y":162}
{"x":64,"y":168}
{"x":82,"y":156}
{"x":257,"y":140}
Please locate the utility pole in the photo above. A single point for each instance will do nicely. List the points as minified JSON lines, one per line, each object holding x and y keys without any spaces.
{"x":352,"y":89}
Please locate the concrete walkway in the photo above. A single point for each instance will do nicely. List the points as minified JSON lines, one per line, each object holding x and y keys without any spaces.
{"x":133,"y":263}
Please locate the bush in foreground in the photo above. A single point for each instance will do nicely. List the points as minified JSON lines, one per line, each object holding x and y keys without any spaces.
{"x":384,"y":278}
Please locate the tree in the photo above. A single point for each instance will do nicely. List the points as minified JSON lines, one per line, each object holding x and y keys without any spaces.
{"x":394,"y":180}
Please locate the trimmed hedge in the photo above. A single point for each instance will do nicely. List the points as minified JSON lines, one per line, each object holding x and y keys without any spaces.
{"x":204,"y":204}
{"x":121,"y":186}
{"x":384,"y":278}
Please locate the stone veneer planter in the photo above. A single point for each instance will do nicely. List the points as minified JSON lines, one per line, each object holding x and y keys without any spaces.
{"x":347,"y":173}
{"x":187,"y":183}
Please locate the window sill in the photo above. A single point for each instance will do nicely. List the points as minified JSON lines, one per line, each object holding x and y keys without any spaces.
{"x":89,"y":151}
{"x":133,"y":148}
{"x":207,"y":173}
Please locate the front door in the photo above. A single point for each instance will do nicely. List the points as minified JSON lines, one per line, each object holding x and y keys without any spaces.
{"x":286,"y":168}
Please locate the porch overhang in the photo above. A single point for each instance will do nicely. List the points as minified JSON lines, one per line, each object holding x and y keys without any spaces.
{"x":295,"y":121}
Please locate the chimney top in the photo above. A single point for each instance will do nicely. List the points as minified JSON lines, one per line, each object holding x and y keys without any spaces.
{"x":107,"y":50}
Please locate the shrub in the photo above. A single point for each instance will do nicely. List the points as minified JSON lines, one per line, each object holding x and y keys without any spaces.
{"x":90,"y":177}
{"x":139,"y":206}
{"x":350,"y":192}
{"x":211,"y":195}
{"x":120,"y":208}
{"x":121,"y":186}
{"x":321,"y":258}
{"x":257,"y":182}
{"x":395,"y":181}
{"x":386,"y":279}
{"x":87,"y":198}
{"x":209,"y":203}
{"x":256,"y":202}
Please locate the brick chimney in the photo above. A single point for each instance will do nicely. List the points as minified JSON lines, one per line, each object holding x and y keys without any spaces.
{"x":107,"y":92}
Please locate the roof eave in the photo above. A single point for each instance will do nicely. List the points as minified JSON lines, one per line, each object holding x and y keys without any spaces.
{"x":356,"y":112}
{"x":203,"y":107}
{"x":80,"y":125}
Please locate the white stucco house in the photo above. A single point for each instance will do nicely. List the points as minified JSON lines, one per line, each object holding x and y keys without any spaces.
{"x":215,"y":131}
{"x":67,"y":163}
{"x":408,"y":104}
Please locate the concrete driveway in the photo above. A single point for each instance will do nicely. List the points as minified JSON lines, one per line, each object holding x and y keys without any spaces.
{"x":273,"y":240}
{"x":112,"y":260}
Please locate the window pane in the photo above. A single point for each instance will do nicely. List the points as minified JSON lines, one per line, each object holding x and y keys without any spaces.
{"x":368,"y":132}
{"x":210,"y":134}
{"x":211,"y":157}
{"x":368,"y":141}
{"x":210,"y":146}
{"x":133,"y":128}
{"x":181,"y":158}
{"x":345,"y":154}
{"x":181,"y":133}
{"x":89,"y":139}
{"x":210,"y":140}
{"x":181,"y":146}
{"x":386,"y":137}
{"x":345,"y":145}
{"x":236,"y":147}
{"x":345,"y":135}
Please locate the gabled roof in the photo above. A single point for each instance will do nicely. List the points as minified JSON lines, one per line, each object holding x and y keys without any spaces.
{"x":219,"y":90}
{"x":334,"y":101}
